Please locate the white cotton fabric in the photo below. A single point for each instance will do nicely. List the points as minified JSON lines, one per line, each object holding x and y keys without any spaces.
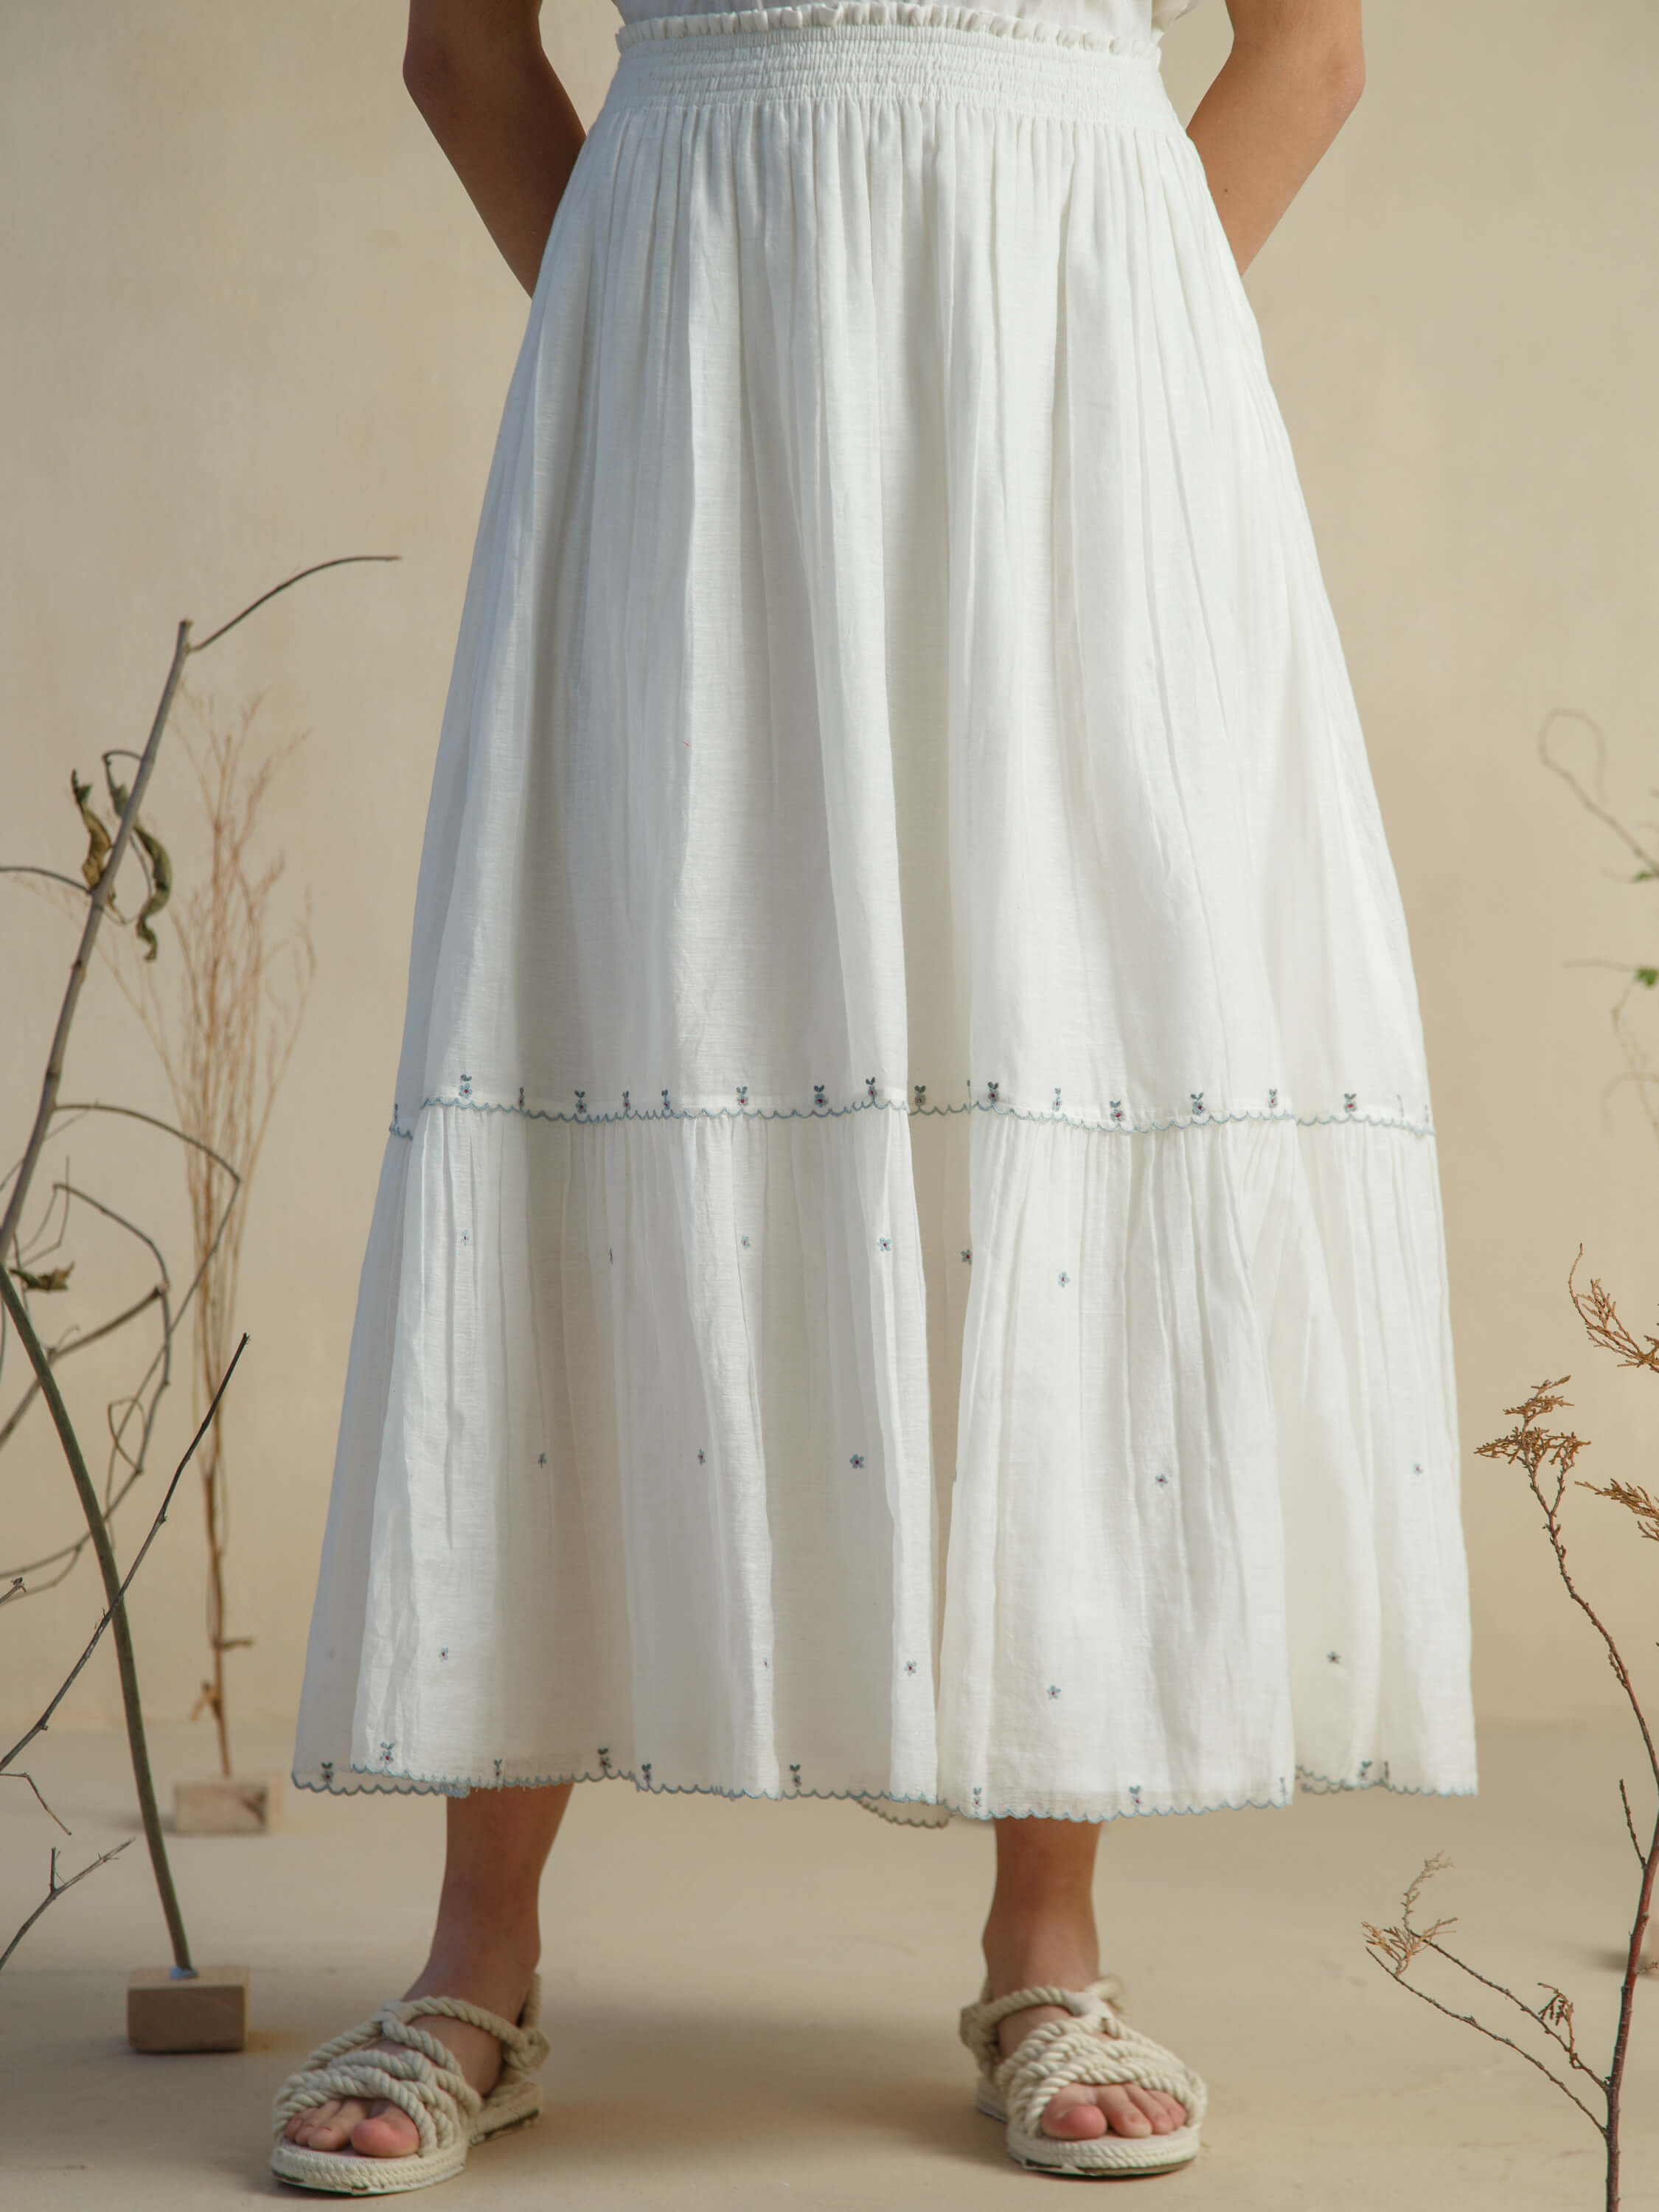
{"x":908,"y":1262}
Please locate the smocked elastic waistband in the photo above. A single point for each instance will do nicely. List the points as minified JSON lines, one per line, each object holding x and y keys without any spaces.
{"x":892,"y":48}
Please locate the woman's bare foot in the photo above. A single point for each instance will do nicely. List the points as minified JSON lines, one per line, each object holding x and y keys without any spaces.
{"x":485,"y":1949}
{"x":1040,"y":1933}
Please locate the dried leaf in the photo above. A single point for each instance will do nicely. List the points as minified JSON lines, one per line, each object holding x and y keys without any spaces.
{"x":51,"y":1279}
{"x":98,"y":840}
{"x":159,"y":868}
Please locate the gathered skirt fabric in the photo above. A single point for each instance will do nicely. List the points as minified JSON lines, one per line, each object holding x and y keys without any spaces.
{"x":908,"y":1262}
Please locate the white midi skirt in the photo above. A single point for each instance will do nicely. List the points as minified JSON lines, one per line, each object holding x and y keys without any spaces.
{"x":908,"y":1263}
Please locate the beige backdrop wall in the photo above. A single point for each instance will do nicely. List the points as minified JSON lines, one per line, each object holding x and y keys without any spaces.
{"x":248,"y":320}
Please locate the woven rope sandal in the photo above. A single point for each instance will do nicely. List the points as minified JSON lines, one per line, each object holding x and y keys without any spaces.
{"x":420,"y":2076}
{"x":1096,"y":2046}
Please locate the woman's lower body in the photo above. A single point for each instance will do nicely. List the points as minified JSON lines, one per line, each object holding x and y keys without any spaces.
{"x":908,"y":1263}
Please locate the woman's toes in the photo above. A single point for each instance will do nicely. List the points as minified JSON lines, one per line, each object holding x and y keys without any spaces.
{"x":387,"y":2132}
{"x":1123,"y":2114}
{"x":324,"y":2127}
{"x":1072,"y":2114}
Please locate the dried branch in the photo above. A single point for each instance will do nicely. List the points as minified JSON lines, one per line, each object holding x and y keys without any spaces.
{"x":1469,"y":2020}
{"x":74,"y":1344}
{"x":130,"y":1702}
{"x":346,"y":560}
{"x":39,"y":1799}
{"x":1546,"y":1458}
{"x":50,"y":875}
{"x":40,"y":1726}
{"x":102,"y":894}
{"x":1590,"y":796}
{"x":55,"y":1890}
{"x":1630,"y":1823}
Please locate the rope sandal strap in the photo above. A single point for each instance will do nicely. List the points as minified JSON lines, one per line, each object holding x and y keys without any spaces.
{"x":420,"y":2076}
{"x":1095,"y":2047}
{"x":981,"y":2021}
{"x":1062,"y":2051}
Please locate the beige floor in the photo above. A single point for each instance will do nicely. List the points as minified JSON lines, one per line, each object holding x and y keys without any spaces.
{"x":755,"y":2004}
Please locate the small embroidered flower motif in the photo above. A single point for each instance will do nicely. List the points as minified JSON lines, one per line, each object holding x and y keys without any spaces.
{"x":703,"y":1456}
{"x":978,"y":1794}
{"x":581,"y":1104}
{"x":521,"y":1098}
{"x":921,"y":1096}
{"x":909,"y":1665}
{"x":857,"y":1460}
{"x":385,"y":1753}
{"x":628,"y":1103}
{"x":605,"y":1759}
{"x":743,"y":1241}
{"x":466,"y":1236}
{"x":1116,"y":1107}
{"x":498,"y":1770}
{"x":328,"y":1772}
{"x":967,"y":1254}
{"x":1365,"y":1768}
{"x":1197,"y":1097}
{"x":1161,"y":1480}
{"x":665,"y":1102}
{"x":645,"y":1769}
{"x":1335,"y":1658}
{"x":1056,"y":1098}
{"x":1272,"y":1101}
{"x":1416,"y":1466}
{"x":1064,"y":1278}
{"x":884,"y":1243}
{"x":870,"y":1086}
{"x":444,"y":1652}
{"x":1054,"y":1689}
{"x":1134,"y":1794}
{"x":743,"y":1094}
{"x":794,"y":1773}
{"x":541,"y":1459}
{"x":1350,"y":1101}
{"x":466,"y":1086}
{"x":994,"y":1091}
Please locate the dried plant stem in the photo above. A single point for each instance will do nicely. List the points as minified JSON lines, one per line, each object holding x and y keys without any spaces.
{"x":63,"y":1690}
{"x":102,"y":897}
{"x":105,"y":1553}
{"x":55,"y":1889}
{"x":77,"y":1344}
{"x":225,"y":1048}
{"x":1546,"y":1458}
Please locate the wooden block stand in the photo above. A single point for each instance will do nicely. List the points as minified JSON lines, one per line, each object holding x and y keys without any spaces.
{"x":240,"y":1805}
{"x":204,"y":2011}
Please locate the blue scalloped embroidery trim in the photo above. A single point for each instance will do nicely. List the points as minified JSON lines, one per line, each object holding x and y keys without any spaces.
{"x":1314,"y":1785}
{"x":1112,"y":1129}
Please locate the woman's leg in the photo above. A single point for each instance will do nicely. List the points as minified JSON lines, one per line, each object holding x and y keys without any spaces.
{"x":1041,"y":1929}
{"x":484,"y":1949}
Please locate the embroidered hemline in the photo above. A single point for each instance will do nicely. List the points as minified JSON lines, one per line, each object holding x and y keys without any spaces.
{"x":1308,"y":1783}
{"x":1115,"y":1123}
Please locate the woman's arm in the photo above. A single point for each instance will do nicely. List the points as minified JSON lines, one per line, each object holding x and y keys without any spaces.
{"x":477,"y":71}
{"x":1290,"y":83}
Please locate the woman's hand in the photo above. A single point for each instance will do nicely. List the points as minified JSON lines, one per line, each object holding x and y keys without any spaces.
{"x":1295,"y":70}
{"x":477,"y":71}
